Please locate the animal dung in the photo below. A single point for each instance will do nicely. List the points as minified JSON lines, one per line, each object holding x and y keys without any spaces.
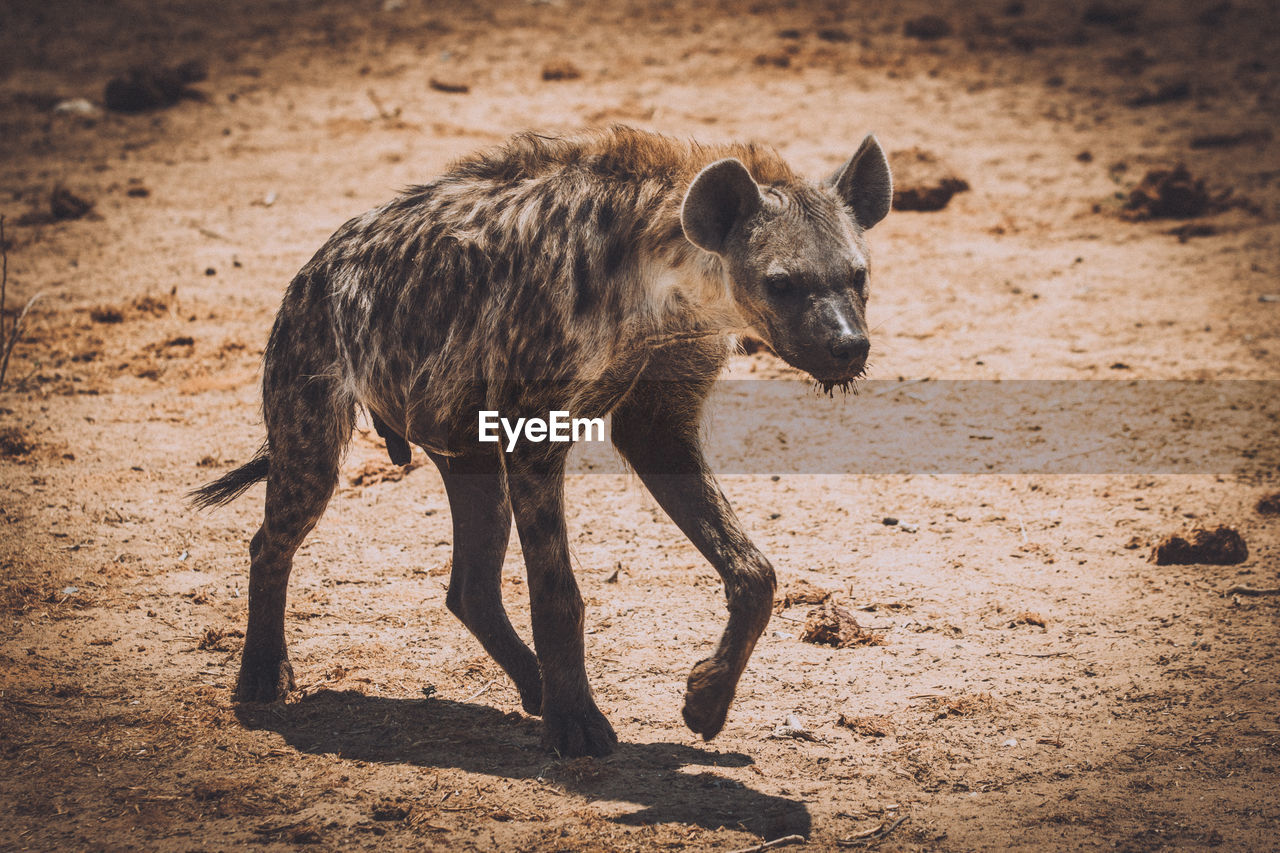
{"x":1222,"y":546}
{"x":832,"y":625}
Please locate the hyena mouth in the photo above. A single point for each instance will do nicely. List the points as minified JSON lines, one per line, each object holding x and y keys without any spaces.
{"x":843,"y":384}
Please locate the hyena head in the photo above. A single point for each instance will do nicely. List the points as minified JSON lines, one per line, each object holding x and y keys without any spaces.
{"x":794,"y":256}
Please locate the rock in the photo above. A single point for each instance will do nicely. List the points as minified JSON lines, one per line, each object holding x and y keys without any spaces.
{"x":77,"y":107}
{"x":922,"y":182}
{"x":1221,"y":546}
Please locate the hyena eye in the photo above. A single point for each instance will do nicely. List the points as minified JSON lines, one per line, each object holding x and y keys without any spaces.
{"x":778,"y":283}
{"x":860,"y":282}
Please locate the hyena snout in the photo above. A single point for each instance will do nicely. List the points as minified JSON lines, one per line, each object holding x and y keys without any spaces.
{"x":833,"y":343}
{"x":850,"y":349}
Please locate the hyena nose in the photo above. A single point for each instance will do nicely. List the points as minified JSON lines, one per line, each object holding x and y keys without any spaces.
{"x":850,"y":348}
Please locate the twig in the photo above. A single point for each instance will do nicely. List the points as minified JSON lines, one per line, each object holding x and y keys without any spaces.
{"x":382,"y":110}
{"x":14,"y":332}
{"x":478,"y":693}
{"x":1244,"y":590}
{"x":866,"y":838}
{"x":784,"y":841}
{"x":898,"y":386}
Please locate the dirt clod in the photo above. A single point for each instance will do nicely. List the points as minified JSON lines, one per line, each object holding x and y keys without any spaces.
{"x":1189,"y":230}
{"x":927,"y":28}
{"x":877,"y":725}
{"x":1165,"y":93}
{"x":560,"y":69}
{"x":964,"y":705}
{"x":1121,"y":17}
{"x":922,"y":182}
{"x":14,"y":444}
{"x":387,"y":809}
{"x":832,"y":625}
{"x":379,"y":471}
{"x":64,"y":204}
{"x":1257,"y":135}
{"x":215,"y":639}
{"x":1268,"y":504}
{"x":152,"y":87}
{"x":802,"y":592}
{"x":106,"y":314}
{"x":1027,"y":618}
{"x":835,"y":34}
{"x":776,"y":60}
{"x":1221,"y":546}
{"x":1168,"y":194}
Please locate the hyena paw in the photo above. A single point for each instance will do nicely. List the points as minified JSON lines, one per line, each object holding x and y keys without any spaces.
{"x":531,"y":698}
{"x":575,"y":733}
{"x":264,"y":681}
{"x":710,"y":692}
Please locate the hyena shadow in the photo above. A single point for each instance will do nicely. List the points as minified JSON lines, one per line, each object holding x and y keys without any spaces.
{"x":440,"y":733}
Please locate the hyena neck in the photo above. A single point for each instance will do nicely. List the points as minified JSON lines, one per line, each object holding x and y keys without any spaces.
{"x":685,"y":293}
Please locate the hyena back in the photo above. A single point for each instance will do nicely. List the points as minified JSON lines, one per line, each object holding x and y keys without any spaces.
{"x":597,"y":274}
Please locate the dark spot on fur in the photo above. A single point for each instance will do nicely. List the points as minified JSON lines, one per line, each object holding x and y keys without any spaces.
{"x":605,"y":216}
{"x":614,"y":253}
{"x":584,"y":296}
{"x":556,"y":220}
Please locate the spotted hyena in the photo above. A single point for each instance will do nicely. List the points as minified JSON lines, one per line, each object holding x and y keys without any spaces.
{"x":594,"y":274}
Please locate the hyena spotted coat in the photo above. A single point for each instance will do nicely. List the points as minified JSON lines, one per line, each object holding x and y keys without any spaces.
{"x":595,"y":274}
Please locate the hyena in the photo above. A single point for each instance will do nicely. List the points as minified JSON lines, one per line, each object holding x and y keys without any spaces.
{"x":597,"y":274}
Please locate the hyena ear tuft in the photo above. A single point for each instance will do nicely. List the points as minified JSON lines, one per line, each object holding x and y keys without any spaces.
{"x":864,"y":183}
{"x":720,"y":196}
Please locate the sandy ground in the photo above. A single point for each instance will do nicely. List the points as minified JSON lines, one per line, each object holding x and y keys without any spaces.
{"x":1040,"y":685}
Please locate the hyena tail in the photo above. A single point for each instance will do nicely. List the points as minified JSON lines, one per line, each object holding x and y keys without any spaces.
{"x":233,"y":484}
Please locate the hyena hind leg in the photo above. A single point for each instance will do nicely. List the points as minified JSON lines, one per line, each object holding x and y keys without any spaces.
{"x":481,"y":509}
{"x":305,"y":447}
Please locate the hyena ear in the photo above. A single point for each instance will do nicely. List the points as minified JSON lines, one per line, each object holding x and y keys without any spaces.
{"x":721,"y":195}
{"x":864,"y":183}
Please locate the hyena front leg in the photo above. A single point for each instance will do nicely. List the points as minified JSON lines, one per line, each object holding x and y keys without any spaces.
{"x":656,"y":430}
{"x":572,"y":724}
{"x":481,"y":511}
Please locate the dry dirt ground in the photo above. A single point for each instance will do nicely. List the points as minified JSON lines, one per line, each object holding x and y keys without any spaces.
{"x":1039,"y":685}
